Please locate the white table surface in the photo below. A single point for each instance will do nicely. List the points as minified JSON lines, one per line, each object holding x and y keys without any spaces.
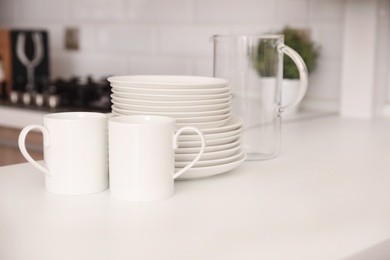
{"x":326,"y":196}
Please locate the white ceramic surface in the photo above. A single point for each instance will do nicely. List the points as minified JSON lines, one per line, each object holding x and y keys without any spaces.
{"x":217,"y":141}
{"x":180,"y":118}
{"x":205,"y":125}
{"x":170,"y":91}
{"x":208,"y":155}
{"x":155,"y":81}
{"x":234,"y":122}
{"x":176,"y":113}
{"x":75,"y":152}
{"x":181,"y":103}
{"x":208,"y":149}
{"x":141,"y":158}
{"x":189,"y":137}
{"x":202,"y":126}
{"x":155,"y":107}
{"x":213,"y":162}
{"x":203,"y":172}
{"x":168,"y":97}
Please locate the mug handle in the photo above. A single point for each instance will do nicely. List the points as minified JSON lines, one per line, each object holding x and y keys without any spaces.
{"x":22,"y":145}
{"x":303,"y":75}
{"x":175,"y":146}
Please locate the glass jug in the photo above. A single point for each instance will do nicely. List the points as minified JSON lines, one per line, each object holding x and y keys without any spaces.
{"x":253,"y":65}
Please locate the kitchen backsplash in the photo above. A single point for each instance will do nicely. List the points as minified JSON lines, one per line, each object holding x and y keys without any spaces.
{"x":173,"y":36}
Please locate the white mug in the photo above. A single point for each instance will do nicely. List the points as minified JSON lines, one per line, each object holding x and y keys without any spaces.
{"x":142,"y":157}
{"x":75,"y":152}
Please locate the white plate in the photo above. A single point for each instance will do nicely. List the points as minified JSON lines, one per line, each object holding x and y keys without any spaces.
{"x":181,"y":103}
{"x":169,"y":97}
{"x":203,"y":172}
{"x":207,"y":156}
{"x":171,"y":91}
{"x":208,"y":149}
{"x":203,"y":126}
{"x":233,"y":123}
{"x":214,"y":162}
{"x":200,"y":108}
{"x":174,"y":113}
{"x":179,"y":117}
{"x":210,"y":136}
{"x":218,"y":141}
{"x":156,"y":81}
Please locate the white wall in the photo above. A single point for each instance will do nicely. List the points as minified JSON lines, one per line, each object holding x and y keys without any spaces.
{"x":172,"y":36}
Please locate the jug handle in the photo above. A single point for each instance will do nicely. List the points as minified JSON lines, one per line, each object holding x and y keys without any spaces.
{"x":303,"y":76}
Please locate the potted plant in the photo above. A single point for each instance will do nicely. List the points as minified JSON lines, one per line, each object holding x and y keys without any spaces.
{"x":298,"y":40}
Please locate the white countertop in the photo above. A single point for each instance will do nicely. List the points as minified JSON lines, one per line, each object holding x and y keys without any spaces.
{"x":20,"y":117}
{"x":326,"y":196}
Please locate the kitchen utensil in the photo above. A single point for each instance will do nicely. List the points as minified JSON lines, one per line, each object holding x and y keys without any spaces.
{"x":253,"y":65}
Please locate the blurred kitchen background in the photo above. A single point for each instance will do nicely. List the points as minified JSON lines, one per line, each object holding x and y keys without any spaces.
{"x":89,"y":40}
{"x":172,"y":36}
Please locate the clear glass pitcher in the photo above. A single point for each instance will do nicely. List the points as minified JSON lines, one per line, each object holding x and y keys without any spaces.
{"x":253,"y":65}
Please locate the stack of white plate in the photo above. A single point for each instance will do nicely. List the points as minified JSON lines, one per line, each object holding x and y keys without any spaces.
{"x":202,"y":102}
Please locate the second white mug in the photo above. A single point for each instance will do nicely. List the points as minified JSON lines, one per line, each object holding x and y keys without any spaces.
{"x":142,"y":158}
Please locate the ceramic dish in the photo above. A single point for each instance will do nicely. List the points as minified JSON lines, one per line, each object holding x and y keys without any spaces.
{"x":175,"y":113}
{"x":180,"y":117}
{"x":210,"y":136}
{"x":157,"y":81}
{"x":169,"y":97}
{"x":208,"y":149}
{"x":161,"y":103}
{"x":233,"y":123}
{"x":204,"y":125}
{"x":200,"y":108}
{"x":214,"y":162}
{"x":208,"y":155}
{"x":200,"y":125}
{"x":218,"y":141}
{"x":203,"y":172}
{"x":171,"y":91}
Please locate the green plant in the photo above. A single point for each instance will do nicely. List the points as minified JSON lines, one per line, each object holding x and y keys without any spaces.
{"x":265,"y":58}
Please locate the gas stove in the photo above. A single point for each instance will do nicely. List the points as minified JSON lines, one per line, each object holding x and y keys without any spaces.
{"x":74,"y":94}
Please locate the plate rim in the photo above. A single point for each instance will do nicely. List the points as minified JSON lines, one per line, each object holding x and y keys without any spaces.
{"x":152,"y":79}
{"x":209,"y":171}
